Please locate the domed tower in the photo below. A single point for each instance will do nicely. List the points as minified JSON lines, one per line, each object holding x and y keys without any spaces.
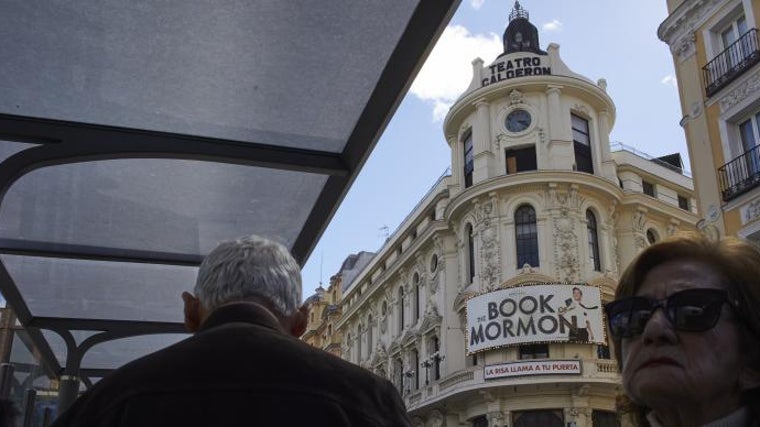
{"x":527,"y":111}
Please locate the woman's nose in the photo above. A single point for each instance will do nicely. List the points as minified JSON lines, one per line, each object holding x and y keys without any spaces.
{"x":658,"y":329}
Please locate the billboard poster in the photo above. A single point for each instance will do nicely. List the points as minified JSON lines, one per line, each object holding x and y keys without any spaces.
{"x":535,"y":314}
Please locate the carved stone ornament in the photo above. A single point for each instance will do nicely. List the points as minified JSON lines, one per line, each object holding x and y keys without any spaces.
{"x":685,"y":47}
{"x":672,"y":228}
{"x":681,"y":23}
{"x":581,"y":108}
{"x":638,"y":220}
{"x":435,"y":419}
{"x":746,"y":89}
{"x":515,"y":97}
{"x":565,"y":247}
{"x":490,"y":258}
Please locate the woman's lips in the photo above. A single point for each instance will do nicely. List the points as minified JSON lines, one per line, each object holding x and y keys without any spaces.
{"x":658,"y":361}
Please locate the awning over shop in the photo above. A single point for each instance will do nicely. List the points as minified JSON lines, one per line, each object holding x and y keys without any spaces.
{"x":134,"y":136}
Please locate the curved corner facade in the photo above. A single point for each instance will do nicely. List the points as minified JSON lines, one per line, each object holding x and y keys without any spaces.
{"x":536,"y":197}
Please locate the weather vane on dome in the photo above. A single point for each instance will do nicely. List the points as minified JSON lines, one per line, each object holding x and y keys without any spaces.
{"x":518,"y":12}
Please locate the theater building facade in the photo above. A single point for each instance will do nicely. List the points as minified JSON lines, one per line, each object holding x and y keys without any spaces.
{"x":484,"y":307}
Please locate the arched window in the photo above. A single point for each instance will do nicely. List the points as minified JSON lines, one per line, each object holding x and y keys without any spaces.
{"x":359,"y":353}
{"x":582,"y":144}
{"x":398,"y":374}
{"x":437,"y":358}
{"x":470,"y":253}
{"x":370,"y":338}
{"x":400,"y":309}
{"x":593,"y":240}
{"x":526,"y":236}
{"x":350,"y":343}
{"x":469,"y":159}
{"x":652,"y":236}
{"x":416,"y":308}
{"x":416,"y":369}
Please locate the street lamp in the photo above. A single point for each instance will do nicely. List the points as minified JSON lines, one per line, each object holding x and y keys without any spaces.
{"x":427,"y":364}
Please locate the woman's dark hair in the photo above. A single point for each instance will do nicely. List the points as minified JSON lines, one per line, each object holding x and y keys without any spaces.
{"x":737,"y":261}
{"x":8,"y":413}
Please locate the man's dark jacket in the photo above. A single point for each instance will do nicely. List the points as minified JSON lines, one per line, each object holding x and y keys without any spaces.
{"x":240,"y":369}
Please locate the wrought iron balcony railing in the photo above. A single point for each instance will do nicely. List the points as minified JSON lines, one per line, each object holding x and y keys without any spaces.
{"x":731,"y":63}
{"x":740,"y":174}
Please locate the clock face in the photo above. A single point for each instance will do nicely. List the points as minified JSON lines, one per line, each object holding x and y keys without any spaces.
{"x":518,"y":120}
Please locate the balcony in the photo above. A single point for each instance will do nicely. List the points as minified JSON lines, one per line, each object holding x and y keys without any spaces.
{"x":731,"y":63}
{"x":740,"y":174}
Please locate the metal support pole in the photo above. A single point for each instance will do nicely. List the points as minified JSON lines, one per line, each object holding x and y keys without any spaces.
{"x":6,"y":379}
{"x":29,"y":397}
{"x":67,"y":392}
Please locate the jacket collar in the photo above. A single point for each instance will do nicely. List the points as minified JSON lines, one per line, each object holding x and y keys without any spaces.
{"x":245,"y":312}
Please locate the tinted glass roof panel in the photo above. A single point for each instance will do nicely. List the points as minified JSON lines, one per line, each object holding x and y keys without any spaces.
{"x":163,"y":205}
{"x":256,"y":71}
{"x":9,"y":148}
{"x":85,"y":289}
{"x":113,"y":354}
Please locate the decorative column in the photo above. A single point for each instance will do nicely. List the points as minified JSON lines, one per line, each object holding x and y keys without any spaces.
{"x":481,"y":134}
{"x":608,"y":165}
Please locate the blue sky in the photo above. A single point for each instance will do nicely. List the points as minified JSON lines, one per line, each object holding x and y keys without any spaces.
{"x":614,"y":40}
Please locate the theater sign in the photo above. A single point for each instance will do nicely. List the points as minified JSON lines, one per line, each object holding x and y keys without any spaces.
{"x":534,"y":314}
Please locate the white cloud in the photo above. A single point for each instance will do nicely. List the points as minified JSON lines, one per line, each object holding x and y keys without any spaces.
{"x":669,"y":80}
{"x":448,"y":70}
{"x":552,"y":26}
{"x":476,"y":4}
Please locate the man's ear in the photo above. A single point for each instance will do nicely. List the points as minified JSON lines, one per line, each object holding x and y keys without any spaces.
{"x":298,"y":321}
{"x":193,"y":312}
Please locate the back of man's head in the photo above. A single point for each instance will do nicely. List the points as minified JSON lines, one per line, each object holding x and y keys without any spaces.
{"x":250,"y":269}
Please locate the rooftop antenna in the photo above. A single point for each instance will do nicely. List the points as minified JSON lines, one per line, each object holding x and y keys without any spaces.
{"x":321,"y":264}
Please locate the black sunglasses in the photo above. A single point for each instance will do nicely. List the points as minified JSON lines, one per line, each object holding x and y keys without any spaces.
{"x":690,"y":310}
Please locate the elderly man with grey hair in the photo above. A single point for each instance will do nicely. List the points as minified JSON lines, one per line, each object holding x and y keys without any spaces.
{"x":244,"y":365}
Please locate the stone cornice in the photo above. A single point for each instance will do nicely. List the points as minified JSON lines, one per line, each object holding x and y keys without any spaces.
{"x":677,"y":30}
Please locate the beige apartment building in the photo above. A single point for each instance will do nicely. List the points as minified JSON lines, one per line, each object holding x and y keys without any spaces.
{"x":325,"y":306}
{"x":716,"y":55}
{"x":484,"y":306}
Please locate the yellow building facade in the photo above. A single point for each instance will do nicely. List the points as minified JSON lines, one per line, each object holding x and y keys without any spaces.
{"x":716,"y":55}
{"x":539,"y":210}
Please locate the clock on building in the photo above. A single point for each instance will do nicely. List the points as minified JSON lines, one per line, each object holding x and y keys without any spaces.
{"x":518,"y":120}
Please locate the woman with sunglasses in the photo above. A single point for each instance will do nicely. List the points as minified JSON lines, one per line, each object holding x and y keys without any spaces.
{"x":686,"y":327}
